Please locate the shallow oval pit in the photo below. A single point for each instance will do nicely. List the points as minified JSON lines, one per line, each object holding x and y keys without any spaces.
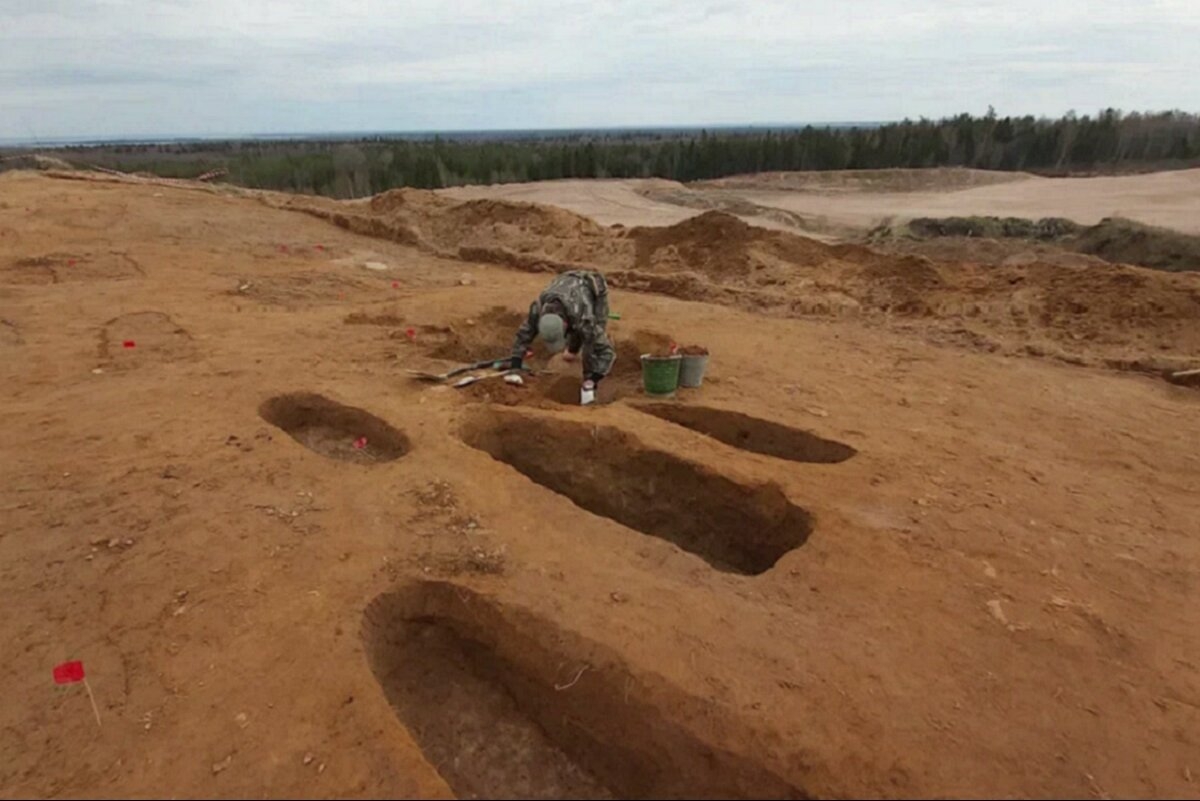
{"x":736,"y":528}
{"x":506,"y":704}
{"x":333,"y":429}
{"x":752,"y":434}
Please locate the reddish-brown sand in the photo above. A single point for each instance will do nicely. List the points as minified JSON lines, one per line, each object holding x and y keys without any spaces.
{"x":915,"y":557}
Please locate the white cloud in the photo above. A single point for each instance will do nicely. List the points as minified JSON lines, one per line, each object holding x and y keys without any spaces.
{"x":128,"y":67}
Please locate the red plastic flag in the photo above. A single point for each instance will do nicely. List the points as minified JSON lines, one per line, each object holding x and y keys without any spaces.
{"x":129,"y":343}
{"x":70,"y":262}
{"x":283,"y":248}
{"x":360,"y":443}
{"x":395,"y":285}
{"x":411,"y":333}
{"x":318,"y":247}
{"x":68,"y":672}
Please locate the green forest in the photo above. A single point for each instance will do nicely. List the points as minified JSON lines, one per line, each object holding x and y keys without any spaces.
{"x":1107,"y":142}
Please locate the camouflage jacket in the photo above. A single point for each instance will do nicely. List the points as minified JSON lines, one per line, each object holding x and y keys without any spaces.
{"x":583,"y":295}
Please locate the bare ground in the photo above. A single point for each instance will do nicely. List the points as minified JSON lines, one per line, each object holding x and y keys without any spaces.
{"x":991,"y":594}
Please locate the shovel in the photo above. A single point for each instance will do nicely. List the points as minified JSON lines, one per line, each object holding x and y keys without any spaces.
{"x":471,"y":379}
{"x":426,"y":376}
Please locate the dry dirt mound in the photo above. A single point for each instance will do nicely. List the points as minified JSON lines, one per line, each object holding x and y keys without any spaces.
{"x":721,"y":245}
{"x":530,"y":218}
{"x":396,"y":201}
{"x":1031,"y":300}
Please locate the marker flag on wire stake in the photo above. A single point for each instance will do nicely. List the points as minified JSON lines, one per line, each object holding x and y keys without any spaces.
{"x":72,"y":673}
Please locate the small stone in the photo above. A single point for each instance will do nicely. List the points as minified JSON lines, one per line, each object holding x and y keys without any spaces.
{"x":66,"y":475}
{"x":988,"y":570}
{"x":466,"y":280}
{"x":97,"y":370}
{"x":321,"y":768}
{"x":618,"y":597}
{"x":114,"y":542}
{"x":97,"y":541}
{"x":181,"y":595}
{"x":242,"y":719}
{"x":222,"y":765}
{"x":128,"y":543}
{"x":308,"y":758}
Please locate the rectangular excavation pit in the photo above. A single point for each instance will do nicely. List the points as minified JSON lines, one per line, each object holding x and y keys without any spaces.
{"x":752,"y":434}
{"x":737,"y":528}
{"x":333,"y":429}
{"x":505,"y":704}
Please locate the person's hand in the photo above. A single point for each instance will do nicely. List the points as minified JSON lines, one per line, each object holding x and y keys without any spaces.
{"x":568,"y":356}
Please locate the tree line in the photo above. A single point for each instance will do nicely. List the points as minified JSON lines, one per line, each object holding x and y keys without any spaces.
{"x":1108,"y":141}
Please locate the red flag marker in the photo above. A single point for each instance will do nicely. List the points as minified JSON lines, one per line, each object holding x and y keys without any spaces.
{"x":395,"y":285}
{"x":318,"y":247}
{"x":70,"y":262}
{"x":411,"y":333}
{"x":283,"y":248}
{"x":360,"y":443}
{"x":674,"y":348}
{"x":68,"y":672}
{"x":72,"y":673}
{"x":129,"y":343}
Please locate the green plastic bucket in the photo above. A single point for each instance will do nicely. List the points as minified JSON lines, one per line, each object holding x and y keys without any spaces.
{"x":660,"y":374}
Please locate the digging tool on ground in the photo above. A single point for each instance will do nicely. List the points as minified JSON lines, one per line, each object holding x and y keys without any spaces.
{"x":422,"y":375}
{"x":471,"y":379}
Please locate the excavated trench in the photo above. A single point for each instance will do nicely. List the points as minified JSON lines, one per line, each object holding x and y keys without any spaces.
{"x":506,"y":704}
{"x":752,"y":434}
{"x":333,"y":429}
{"x":735,"y":527}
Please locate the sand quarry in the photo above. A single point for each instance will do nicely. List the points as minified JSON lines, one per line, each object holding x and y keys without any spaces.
{"x":928,"y":528}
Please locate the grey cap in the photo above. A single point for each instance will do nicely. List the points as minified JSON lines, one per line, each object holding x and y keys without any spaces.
{"x":552,"y":330}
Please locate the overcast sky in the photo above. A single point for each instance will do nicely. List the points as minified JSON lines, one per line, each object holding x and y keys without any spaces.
{"x":88,"y":68}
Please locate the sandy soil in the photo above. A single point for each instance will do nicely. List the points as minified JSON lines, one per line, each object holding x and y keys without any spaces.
{"x":841,"y":204}
{"x":967,"y":573}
